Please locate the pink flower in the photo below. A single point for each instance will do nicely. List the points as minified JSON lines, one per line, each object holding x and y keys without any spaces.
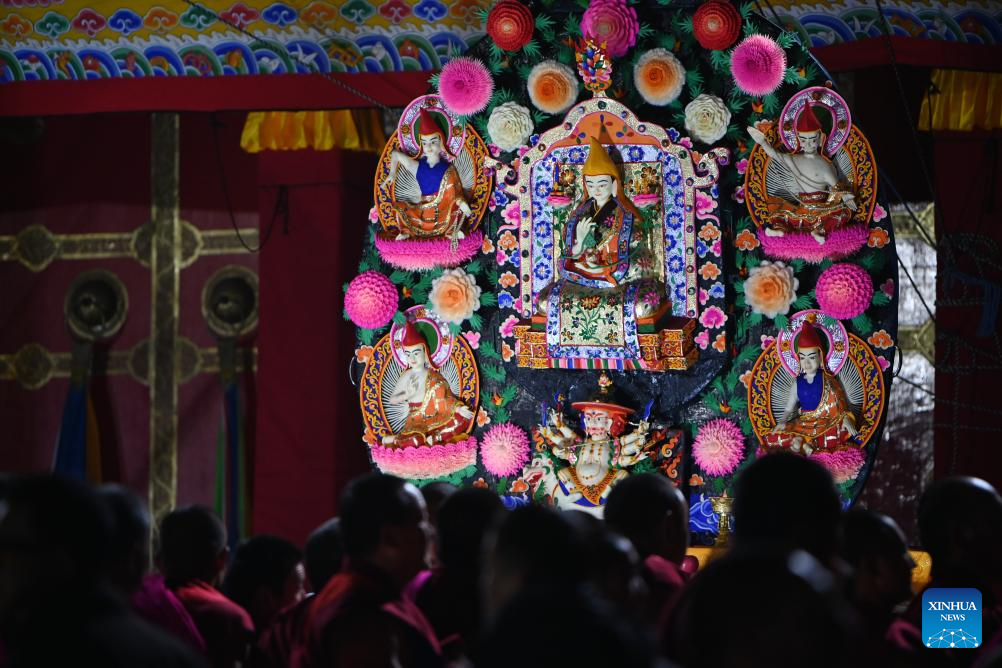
{"x":712,"y":318}
{"x":704,"y":296}
{"x":741,"y":165}
{"x":505,"y":449}
{"x":494,"y":150}
{"x":371,"y":300}
{"x":739,"y":194}
{"x":612,"y":22}
{"x":465,"y":85}
{"x":421,"y":254}
{"x":758,"y":65}
{"x":884,"y":363}
{"x":373,"y":215}
{"x":473,"y":338}
{"x":512,"y":213}
{"x":887,"y":287}
{"x":844,"y":291}
{"x":685,"y":141}
{"x":879,"y":213}
{"x":719,"y":447}
{"x":767,"y":341}
{"x":703,"y":339}
{"x":715,"y":249}
{"x":507,"y":327}
{"x":844,"y":465}
{"x":704,"y":203}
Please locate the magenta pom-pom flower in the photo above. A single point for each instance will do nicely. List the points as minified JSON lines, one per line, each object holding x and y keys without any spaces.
{"x":465,"y":85}
{"x":719,"y":447}
{"x":505,"y":449}
{"x":758,"y":65}
{"x":844,"y":291}
{"x":371,"y":300}
{"x":613,"y":23}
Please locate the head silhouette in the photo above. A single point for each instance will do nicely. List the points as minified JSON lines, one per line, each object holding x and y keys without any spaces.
{"x":652,"y":513}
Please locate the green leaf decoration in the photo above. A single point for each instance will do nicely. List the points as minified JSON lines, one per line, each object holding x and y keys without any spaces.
{"x":572,"y":26}
{"x":433,"y":80}
{"x":366,"y":336}
{"x":508,"y":393}
{"x":872,"y":261}
{"x":798,"y":265}
{"x":720,"y":61}
{"x":645,"y":31}
{"x":344,"y":314}
{"x":493,"y":372}
{"x":825,"y":264}
{"x":531,"y":49}
{"x":862,"y":324}
{"x":474,"y":267}
{"x":803,"y":302}
{"x":770,"y":105}
{"x":399,"y":276}
{"x":539,"y":117}
{"x":748,"y":29}
{"x":476,"y":322}
{"x":694,"y":80}
{"x":782,"y":322}
{"x":545,"y":24}
{"x":787,"y":40}
{"x":399,"y":318}
{"x":880,"y":299}
{"x":488,"y":299}
{"x":711,"y":402}
{"x":454,"y":329}
{"x":746,"y":10}
{"x":501,"y":415}
{"x":755,"y":319}
{"x":482,"y":14}
{"x":488,"y":350}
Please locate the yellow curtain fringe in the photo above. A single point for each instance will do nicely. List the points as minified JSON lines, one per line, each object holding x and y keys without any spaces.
{"x":966,"y":101}
{"x":352,"y":129}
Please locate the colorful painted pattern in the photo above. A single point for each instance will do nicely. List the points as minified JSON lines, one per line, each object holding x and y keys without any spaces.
{"x":53,"y":39}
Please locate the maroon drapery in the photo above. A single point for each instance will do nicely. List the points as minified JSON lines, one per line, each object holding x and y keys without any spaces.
{"x":308,"y":423}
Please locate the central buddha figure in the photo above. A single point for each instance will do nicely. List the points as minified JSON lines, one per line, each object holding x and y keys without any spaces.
{"x":605,"y":282}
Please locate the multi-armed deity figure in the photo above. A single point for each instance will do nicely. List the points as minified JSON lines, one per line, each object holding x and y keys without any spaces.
{"x":597,"y":460}
{"x":434,"y":414}
{"x":432,"y":203}
{"x":814,"y":197}
{"x":817,"y":416}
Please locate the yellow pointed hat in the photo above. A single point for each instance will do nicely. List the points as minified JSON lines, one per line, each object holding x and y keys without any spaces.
{"x":599,"y":163}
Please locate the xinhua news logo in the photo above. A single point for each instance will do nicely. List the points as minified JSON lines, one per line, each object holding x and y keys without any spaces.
{"x":951,"y":618}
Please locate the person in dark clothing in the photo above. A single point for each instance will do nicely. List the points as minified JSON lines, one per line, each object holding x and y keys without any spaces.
{"x":360,"y":618}
{"x":56,"y":604}
{"x":128,"y":556}
{"x":652,"y":513}
{"x":450,"y":596}
{"x":265,"y":578}
{"x":192,"y":555}
{"x":323,"y":557}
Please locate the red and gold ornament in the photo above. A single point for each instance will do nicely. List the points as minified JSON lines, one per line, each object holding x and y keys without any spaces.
{"x":716,"y":24}
{"x":510,"y":25}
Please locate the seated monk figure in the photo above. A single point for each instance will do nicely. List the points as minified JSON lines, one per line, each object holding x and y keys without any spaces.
{"x":817,"y":416}
{"x":816,"y":200}
{"x":438,"y":206}
{"x":434,"y":414}
{"x":599,"y":460}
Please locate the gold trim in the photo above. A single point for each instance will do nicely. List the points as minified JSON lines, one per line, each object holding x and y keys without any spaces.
{"x":165,"y":266}
{"x":36,"y":247}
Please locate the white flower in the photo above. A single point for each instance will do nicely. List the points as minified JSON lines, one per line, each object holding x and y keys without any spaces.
{"x":509,"y":126}
{"x":706,"y":118}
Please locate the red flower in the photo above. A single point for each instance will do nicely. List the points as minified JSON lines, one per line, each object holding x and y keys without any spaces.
{"x":716,"y":24}
{"x":510,"y":25}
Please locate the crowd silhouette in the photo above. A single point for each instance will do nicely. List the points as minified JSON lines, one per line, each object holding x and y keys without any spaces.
{"x":448,"y":577}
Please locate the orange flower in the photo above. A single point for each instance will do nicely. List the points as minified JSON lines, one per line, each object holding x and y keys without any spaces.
{"x":709,"y":271}
{"x":480,"y":484}
{"x":695,"y":480}
{"x":454,"y":295}
{"x":881,"y":339}
{"x":519,"y":486}
{"x":363,"y":354}
{"x":878,"y":238}
{"x":506,"y":352}
{"x":487,"y":246}
{"x":709,"y":232}
{"x":369,"y":437}
{"x":508,"y":280}
{"x":771,"y":288}
{"x":483,"y":418}
{"x":720,"y":344}
{"x":746,"y":241}
{"x":658,"y":76}
{"x":507,"y":242}
{"x":745,"y":378}
{"x":552,"y":87}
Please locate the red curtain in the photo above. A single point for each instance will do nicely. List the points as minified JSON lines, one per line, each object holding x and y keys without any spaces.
{"x":313,"y":213}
